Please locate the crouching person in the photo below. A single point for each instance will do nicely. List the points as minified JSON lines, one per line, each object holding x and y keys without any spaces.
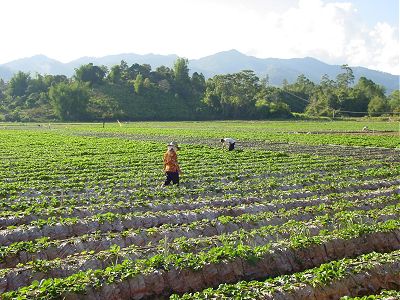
{"x":171,"y":166}
{"x":228,"y":143}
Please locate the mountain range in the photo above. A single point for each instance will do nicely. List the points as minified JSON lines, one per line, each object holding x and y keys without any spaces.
{"x":225,"y":62}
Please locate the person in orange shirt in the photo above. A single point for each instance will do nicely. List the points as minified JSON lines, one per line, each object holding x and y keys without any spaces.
{"x":171,"y":166}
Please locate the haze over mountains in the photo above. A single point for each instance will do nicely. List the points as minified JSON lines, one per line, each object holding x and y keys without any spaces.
{"x":220,"y":63}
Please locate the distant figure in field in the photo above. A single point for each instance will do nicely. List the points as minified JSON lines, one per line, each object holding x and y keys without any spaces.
{"x":365,"y":128}
{"x":171,"y":166}
{"x":228,"y":143}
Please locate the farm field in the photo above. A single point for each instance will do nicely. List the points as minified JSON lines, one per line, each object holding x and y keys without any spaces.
{"x":300,"y":210}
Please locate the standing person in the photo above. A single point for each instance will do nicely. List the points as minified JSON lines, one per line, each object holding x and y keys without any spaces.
{"x":171,"y":166}
{"x":229,"y":143}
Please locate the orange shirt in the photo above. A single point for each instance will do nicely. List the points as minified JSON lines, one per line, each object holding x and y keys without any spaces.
{"x":171,"y":162}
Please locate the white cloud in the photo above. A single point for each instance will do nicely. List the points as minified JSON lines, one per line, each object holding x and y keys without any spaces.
{"x":385,"y":49}
{"x":333,"y":32}
{"x":310,"y":29}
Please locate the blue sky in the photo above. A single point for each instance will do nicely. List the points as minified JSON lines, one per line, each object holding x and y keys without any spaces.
{"x":355,"y":32}
{"x":373,"y":11}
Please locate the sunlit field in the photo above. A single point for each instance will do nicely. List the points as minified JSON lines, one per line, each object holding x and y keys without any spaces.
{"x":299,"y":210}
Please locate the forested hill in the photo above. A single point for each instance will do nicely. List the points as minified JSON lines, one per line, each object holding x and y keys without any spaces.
{"x":279,"y":70}
{"x":138,"y":92}
{"x":232,"y":61}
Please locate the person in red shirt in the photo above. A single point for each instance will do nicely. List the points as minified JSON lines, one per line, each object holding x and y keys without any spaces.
{"x":171,"y":166}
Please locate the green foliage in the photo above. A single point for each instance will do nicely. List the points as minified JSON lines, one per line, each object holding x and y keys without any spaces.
{"x":345,"y":79}
{"x":70,"y":100}
{"x":394,"y":101}
{"x":137,"y":92}
{"x":138,"y":84}
{"x":339,"y":98}
{"x":297,"y":94}
{"x":81,"y":197}
{"x":377,"y":106}
{"x":18,"y":84}
{"x":242,"y":95}
{"x":182,"y":82}
{"x":90,"y":74}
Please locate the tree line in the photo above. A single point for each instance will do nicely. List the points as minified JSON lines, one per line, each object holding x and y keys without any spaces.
{"x":136,"y":92}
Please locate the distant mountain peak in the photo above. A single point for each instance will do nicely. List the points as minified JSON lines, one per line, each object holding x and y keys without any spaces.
{"x":232,"y":52}
{"x":229,"y":61}
{"x":40,"y":56}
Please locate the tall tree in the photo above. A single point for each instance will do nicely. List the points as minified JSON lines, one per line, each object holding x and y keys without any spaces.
{"x":138,"y":84}
{"x":90,"y":73}
{"x":377,"y":106}
{"x":70,"y":100}
{"x":360,"y":96}
{"x":233,"y":95}
{"x":182,"y":79}
{"x":19,"y":84}
{"x":136,"y":69}
{"x":198,"y":83}
{"x":346,"y":78}
{"x":115,"y":74}
{"x":394,"y":101}
{"x":297,"y":95}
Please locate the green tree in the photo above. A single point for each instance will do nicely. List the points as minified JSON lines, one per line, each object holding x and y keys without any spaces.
{"x":37,"y":85}
{"x":3,"y":88}
{"x":377,"y":106}
{"x":297,"y":95}
{"x":198,"y":83}
{"x":165,"y":72}
{"x":319,"y":105}
{"x":50,"y":80}
{"x":394,"y":101}
{"x":138,"y":84}
{"x":324,"y":101}
{"x":359,"y":96}
{"x":212,"y":97}
{"x":326,"y":83}
{"x":343,"y":89}
{"x":90,"y":73}
{"x":136,"y":69}
{"x":346,"y":78}
{"x":18,"y":84}
{"x":115,"y":74}
{"x":236,"y":95}
{"x":70,"y":100}
{"x":182,"y":79}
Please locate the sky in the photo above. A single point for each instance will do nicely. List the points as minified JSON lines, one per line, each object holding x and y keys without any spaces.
{"x":354,"y":32}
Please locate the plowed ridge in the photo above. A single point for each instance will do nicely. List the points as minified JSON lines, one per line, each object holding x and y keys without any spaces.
{"x":85,"y":218}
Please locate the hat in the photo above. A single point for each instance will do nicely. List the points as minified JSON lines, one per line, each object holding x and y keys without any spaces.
{"x":174,"y":144}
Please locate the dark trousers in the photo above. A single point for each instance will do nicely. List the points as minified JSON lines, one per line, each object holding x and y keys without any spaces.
{"x":231,"y":146}
{"x":171,"y":176}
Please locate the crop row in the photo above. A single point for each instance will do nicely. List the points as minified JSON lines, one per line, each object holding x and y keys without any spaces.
{"x":74,"y":163}
{"x":272,"y":133}
{"x":341,"y":224}
{"x":84,"y":217}
{"x":272,"y":214}
{"x":45,"y":207}
{"x":383,"y":295}
{"x":368,"y":273}
{"x":192,"y":271}
{"x":66,"y":227}
{"x":50,"y":248}
{"x":270,"y":182}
